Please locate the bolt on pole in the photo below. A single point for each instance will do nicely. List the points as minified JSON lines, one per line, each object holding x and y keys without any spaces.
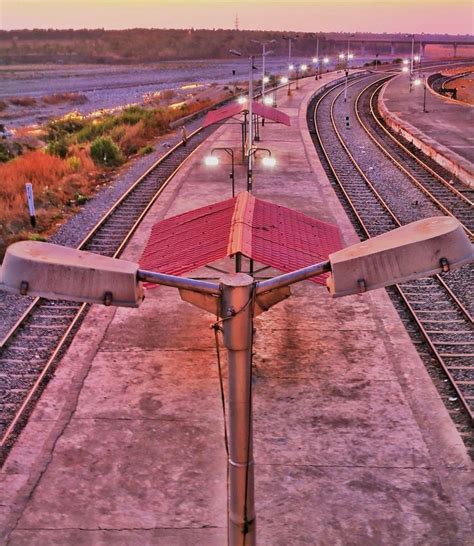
{"x":237,"y":315}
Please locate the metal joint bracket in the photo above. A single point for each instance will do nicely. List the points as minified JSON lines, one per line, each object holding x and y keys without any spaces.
{"x":266,"y":300}
{"x":444,"y":264}
{"x":24,"y":288}
{"x":208,"y":302}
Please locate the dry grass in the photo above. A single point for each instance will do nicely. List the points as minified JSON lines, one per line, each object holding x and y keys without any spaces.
{"x":55,"y":181}
{"x":23,"y":101}
{"x":60,"y":98}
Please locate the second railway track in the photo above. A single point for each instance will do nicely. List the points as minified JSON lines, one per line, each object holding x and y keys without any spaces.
{"x":383,"y":190}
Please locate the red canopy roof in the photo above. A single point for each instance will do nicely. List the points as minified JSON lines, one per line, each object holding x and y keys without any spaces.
{"x":234,"y":109}
{"x":273,"y":235}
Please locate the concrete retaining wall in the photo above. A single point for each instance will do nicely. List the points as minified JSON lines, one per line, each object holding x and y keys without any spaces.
{"x":445,"y":157}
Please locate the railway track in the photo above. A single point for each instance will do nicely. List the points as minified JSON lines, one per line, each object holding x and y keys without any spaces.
{"x":436,"y":310}
{"x":31,"y":349}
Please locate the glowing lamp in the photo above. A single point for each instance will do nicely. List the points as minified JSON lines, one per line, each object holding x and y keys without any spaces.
{"x":268,"y":101}
{"x":269,"y":161}
{"x":291,"y":67}
{"x":304,"y":67}
{"x":211,"y":161}
{"x":242,"y":100}
{"x":266,"y":79}
{"x":284,"y":80}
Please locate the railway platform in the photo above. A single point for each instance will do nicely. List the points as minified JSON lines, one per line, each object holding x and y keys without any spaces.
{"x":353,"y":445}
{"x":442,"y":132}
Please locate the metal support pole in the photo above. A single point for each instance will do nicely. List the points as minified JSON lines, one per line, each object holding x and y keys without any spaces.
{"x":425,"y":81}
{"x":250,"y":128}
{"x":412,"y":59}
{"x":236,"y":312}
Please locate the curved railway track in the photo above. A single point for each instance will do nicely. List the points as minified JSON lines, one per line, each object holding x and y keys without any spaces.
{"x":31,"y":349}
{"x":434,"y":310}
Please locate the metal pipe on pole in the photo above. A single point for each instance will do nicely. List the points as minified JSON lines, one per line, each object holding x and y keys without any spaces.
{"x":237,"y":322}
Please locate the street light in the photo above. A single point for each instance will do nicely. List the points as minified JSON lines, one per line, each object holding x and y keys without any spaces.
{"x":415,"y":250}
{"x":405,"y":69}
{"x":268,"y":101}
{"x":242,"y":100}
{"x":421,"y":80}
{"x":420,"y":249}
{"x":264,"y":54}
{"x":213,"y":161}
{"x":290,"y":39}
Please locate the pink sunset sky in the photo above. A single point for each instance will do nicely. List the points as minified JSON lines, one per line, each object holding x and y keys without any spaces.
{"x":447,"y":16}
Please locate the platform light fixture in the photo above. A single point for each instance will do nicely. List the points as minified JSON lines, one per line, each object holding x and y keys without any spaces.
{"x":416,"y":250}
{"x":268,"y":101}
{"x":284,"y":80}
{"x":405,"y":69}
{"x":315,"y":60}
{"x":242,"y":100}
{"x":269,"y":161}
{"x":291,"y":67}
{"x":211,"y":161}
{"x":304,"y":67}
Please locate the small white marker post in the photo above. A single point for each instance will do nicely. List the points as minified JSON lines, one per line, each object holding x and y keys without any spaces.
{"x":31,"y":203}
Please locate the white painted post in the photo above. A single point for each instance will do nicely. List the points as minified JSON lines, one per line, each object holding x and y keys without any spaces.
{"x":31,"y":203}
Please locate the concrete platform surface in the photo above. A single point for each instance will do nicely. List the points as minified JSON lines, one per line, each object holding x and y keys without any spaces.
{"x":353,"y":445}
{"x":445,"y":129}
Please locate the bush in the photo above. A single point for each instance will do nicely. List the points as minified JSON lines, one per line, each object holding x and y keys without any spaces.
{"x":74,"y":163}
{"x":5,"y":153}
{"x":145,"y":150}
{"x":105,"y":152}
{"x":58,"y":147}
{"x":61,"y":128}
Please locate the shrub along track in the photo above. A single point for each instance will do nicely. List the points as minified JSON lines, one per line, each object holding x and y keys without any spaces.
{"x":31,"y":350}
{"x":383,"y":190}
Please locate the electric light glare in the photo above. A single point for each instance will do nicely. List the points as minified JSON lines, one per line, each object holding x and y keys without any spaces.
{"x":291,"y":67}
{"x":268,"y":101}
{"x":315,"y":60}
{"x":266,"y":79}
{"x":416,"y":58}
{"x":417,"y":81}
{"x":242,"y":100}
{"x":350,"y":56}
{"x":304,"y":67}
{"x":405,"y":69}
{"x":405,"y":61}
{"x":341,"y":55}
{"x":269,"y":161}
{"x":284,"y":79}
{"x":326,"y":60}
{"x":211,"y":161}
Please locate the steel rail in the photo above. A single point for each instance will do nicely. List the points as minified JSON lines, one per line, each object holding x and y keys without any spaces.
{"x":419,"y":184}
{"x":399,"y":289}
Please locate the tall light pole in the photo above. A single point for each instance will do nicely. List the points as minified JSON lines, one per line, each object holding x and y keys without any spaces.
{"x":264,"y":54}
{"x":290,"y":40}
{"x":412,"y":57}
{"x":416,"y":250}
{"x":248,"y":148}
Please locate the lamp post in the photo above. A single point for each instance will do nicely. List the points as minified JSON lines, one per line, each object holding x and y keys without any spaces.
{"x":412,"y":36}
{"x":422,"y":81}
{"x":416,"y":250}
{"x":290,"y":39}
{"x":249,"y":143}
{"x":212,"y":161}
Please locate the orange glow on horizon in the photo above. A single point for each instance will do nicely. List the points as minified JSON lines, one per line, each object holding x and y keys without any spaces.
{"x":429,"y":16}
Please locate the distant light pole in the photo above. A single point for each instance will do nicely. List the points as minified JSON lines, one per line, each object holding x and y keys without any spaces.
{"x":248,"y":148}
{"x":290,"y":39}
{"x":412,"y":57}
{"x":264,"y":77}
{"x":213,"y":161}
{"x":422,"y":81}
